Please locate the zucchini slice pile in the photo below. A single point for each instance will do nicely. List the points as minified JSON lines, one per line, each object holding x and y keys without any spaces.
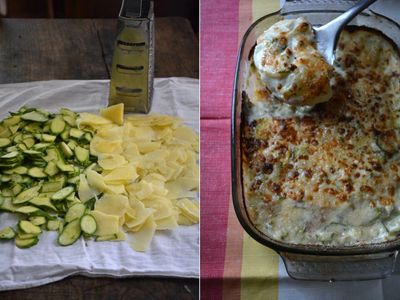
{"x":42,"y":156}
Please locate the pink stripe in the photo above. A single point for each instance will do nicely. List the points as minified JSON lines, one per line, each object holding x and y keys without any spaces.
{"x":215,"y":197}
{"x":219,"y":42}
{"x":219,"y":39}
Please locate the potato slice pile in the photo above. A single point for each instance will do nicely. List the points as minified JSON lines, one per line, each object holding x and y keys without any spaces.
{"x":150,"y":173}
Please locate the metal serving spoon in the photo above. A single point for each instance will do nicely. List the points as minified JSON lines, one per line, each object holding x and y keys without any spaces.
{"x":328,"y":34}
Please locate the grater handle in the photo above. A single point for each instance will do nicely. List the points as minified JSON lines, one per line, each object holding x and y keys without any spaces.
{"x":135,"y":8}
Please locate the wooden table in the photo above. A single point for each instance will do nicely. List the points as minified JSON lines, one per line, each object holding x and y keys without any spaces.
{"x":43,"y":49}
{"x":37,"y":49}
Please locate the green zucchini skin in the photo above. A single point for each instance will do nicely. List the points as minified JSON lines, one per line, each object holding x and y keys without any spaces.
{"x":42,"y":155}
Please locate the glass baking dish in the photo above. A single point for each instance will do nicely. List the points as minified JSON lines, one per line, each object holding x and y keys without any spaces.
{"x":311,"y":262}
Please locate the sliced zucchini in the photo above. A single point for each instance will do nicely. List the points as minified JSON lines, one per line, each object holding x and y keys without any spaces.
{"x":48,"y":138}
{"x":66,"y":150}
{"x":37,"y":220}
{"x":63,"y":193}
{"x":22,"y":110}
{"x":27,"y":195}
{"x":16,"y":178}
{"x":53,"y":225}
{"x":74,"y":180}
{"x":52,"y":154}
{"x":73,"y":201}
{"x":71,"y":121}
{"x":51,"y":168}
{"x":24,"y":236}
{"x":40,"y":152}
{"x":76,"y":211}
{"x":5,"y":178}
{"x":28,"y":141}
{"x":33,"y":153}
{"x":4,"y":142}
{"x":46,"y":195}
{"x":21,"y":170}
{"x":70,"y":233}
{"x":52,"y":186}
{"x":88,"y":224}
{"x":7,"y":233}
{"x":76,"y":171}
{"x":72,"y":145}
{"x":7,"y":193}
{"x":40,"y":146}
{"x":5,"y":132}
{"x":27,"y":181}
{"x":71,"y":197}
{"x":26,"y":243}
{"x":12,"y":120}
{"x":65,"y":168}
{"x":60,"y":177}
{"x":42,"y":201}
{"x":35,"y":116}
{"x":27,"y":210}
{"x":33,"y":127}
{"x":88,"y":137}
{"x":76,"y":133}
{"x":39,"y":163}
{"x":57,"y":125}
{"x":37,"y":172}
{"x":28,"y":227}
{"x":46,"y":128}
{"x":14,"y":128}
{"x":10,"y":155}
{"x":7,"y":204}
{"x":61,"y":227}
{"x":82,"y":155}
{"x":42,"y":111}
{"x":94,"y":167}
{"x":17,"y":189}
{"x":16,"y":148}
{"x":67,"y":112}
{"x":65,"y":134}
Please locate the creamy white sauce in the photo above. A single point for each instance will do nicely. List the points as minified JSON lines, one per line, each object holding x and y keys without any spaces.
{"x":290,"y":65}
{"x":270,"y":107}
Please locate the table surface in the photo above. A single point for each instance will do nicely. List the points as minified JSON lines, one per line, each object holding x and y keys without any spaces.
{"x":44,"y":49}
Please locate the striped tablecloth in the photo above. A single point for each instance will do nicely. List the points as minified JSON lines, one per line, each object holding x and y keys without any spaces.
{"x":234,"y":266}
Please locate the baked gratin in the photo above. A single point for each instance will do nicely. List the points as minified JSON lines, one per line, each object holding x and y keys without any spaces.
{"x":328,"y":174}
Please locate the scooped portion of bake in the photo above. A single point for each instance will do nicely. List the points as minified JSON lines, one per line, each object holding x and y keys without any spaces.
{"x":329,"y":175}
{"x":290,"y":65}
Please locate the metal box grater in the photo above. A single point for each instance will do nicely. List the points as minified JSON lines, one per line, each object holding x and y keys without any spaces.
{"x":132,"y":72}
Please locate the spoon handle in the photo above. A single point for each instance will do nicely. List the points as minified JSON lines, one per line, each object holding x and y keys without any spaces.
{"x":339,"y":22}
{"x":328,"y":34}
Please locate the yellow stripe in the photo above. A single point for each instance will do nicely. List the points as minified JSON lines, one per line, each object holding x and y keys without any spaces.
{"x":264,"y":7}
{"x":259,"y":276}
{"x":259,"y":271}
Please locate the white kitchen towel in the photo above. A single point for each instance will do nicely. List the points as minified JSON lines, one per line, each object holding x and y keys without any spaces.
{"x":172,"y":252}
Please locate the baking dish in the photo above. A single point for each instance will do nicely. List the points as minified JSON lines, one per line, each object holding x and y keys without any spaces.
{"x":312,"y":262}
